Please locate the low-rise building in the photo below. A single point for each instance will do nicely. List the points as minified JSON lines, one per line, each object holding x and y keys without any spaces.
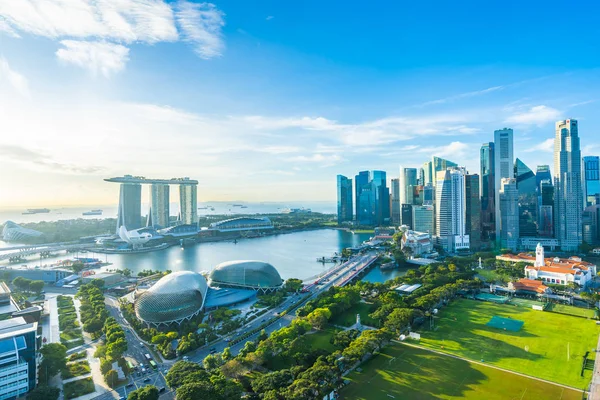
{"x":529,"y":286}
{"x":561,"y":271}
{"x":419,"y":242}
{"x":18,"y":357}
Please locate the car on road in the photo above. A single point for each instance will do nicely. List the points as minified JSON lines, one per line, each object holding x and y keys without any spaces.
{"x":162,"y":389}
{"x":130,"y":384}
{"x":146,"y":380}
{"x":213,"y":350}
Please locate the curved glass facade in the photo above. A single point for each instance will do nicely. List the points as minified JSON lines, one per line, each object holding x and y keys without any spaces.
{"x":246,"y":274}
{"x":15,"y":232}
{"x":174,"y":298}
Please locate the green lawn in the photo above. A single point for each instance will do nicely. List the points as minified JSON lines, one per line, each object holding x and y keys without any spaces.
{"x":403,"y":372}
{"x":78,"y":388}
{"x":348,"y":317}
{"x":539,"y":349}
{"x":577,"y":311}
{"x":322,"y":340}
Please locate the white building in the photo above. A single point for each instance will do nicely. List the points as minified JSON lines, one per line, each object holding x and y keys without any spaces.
{"x":556,"y":270}
{"x":18,"y":357}
{"x":451,"y":210}
{"x":419,"y":242}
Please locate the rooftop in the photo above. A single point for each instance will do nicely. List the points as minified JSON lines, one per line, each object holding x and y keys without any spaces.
{"x":15,"y":326}
{"x":144,"y":180}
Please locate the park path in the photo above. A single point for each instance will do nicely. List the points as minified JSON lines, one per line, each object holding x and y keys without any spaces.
{"x":488,"y":365}
{"x":595,"y":385}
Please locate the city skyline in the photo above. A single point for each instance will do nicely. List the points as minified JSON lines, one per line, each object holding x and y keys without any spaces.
{"x":293,"y":115}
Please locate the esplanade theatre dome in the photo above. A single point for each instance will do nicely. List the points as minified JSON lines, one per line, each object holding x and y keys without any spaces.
{"x":174,"y":298}
{"x":246,"y":274}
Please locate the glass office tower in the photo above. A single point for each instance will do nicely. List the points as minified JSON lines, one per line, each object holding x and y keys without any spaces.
{"x":528,"y":204}
{"x":488,"y":193}
{"x":473,"y":211}
{"x":344,"y":199}
{"x":130,"y":206}
{"x":591,"y":180}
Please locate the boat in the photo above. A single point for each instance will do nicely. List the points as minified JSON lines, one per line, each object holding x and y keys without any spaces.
{"x":243,"y":206}
{"x":93,"y":212}
{"x":36,"y":211}
{"x":202,"y":208}
{"x":238,"y":205}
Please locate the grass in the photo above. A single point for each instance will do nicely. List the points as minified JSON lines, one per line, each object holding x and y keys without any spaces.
{"x":77,"y":356}
{"x":570,"y":310}
{"x":76,"y":369}
{"x":78,"y":388}
{"x":403,"y":372}
{"x":539,"y":349}
{"x":70,"y":334}
{"x":322,"y":340}
{"x":348,"y":317}
{"x":73,"y":344}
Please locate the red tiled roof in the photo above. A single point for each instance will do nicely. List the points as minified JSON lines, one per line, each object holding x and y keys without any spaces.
{"x":530,"y":285}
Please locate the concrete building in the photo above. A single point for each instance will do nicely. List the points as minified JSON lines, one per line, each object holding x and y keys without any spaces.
{"x":488,"y":193}
{"x":344,"y":199}
{"x":451,"y":209}
{"x":423,"y":219}
{"x":159,"y":206}
{"x":503,"y":165}
{"x":591,"y":180}
{"x":395,"y":198}
{"x":18,"y":357}
{"x":568,"y":193}
{"x":130,"y":201}
{"x":509,"y":214}
{"x":528,"y":200}
{"x":561,"y":271}
{"x":188,"y":204}
{"x":473,"y":211}
{"x":420,"y":243}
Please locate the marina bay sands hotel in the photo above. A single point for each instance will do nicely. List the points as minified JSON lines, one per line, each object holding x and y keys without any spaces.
{"x":130,"y":201}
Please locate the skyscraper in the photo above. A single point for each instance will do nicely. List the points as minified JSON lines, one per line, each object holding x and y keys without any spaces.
{"x":528,"y":200}
{"x":362,"y":197}
{"x":344,"y":199}
{"x":487,"y":187}
{"x":546,"y":201}
{"x":568,"y":193}
{"x":542,"y":174}
{"x":451,"y":209}
{"x":423,"y":219}
{"x":406,"y":211}
{"x":473,"y":211}
{"x":503,"y":165}
{"x":509,"y":214}
{"x":130,"y":206}
{"x":382,"y":197}
{"x":159,"y":205}
{"x":188,"y":203}
{"x":396,"y":201}
{"x":408,"y":179}
{"x":591,"y":180}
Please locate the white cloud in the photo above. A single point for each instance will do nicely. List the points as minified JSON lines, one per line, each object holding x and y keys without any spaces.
{"x":114,"y":23}
{"x":148,"y":21}
{"x":97,"y":57}
{"x":461,"y":96}
{"x":537,"y":115}
{"x":318,"y":158}
{"x":545,"y":146}
{"x":6,"y":28}
{"x":269,"y":17}
{"x":14,"y":79}
{"x":453,"y":149}
{"x":201,"y":25}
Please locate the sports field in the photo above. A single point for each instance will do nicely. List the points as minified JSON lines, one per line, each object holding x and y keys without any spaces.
{"x":548,"y":345}
{"x":403,"y":372}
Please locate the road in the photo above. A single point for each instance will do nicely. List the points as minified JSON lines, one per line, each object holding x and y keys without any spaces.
{"x":136,"y":350}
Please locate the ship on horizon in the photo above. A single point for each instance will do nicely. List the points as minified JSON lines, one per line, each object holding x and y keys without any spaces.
{"x":36,"y":211}
{"x":93,"y":212}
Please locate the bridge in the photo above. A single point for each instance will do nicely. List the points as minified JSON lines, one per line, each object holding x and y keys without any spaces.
{"x":345,"y":273}
{"x":18,"y":252}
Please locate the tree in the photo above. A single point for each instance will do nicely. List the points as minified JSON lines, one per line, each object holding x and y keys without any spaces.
{"x":212,"y":361}
{"x":21,"y":283}
{"x":111,"y":378}
{"x":319,"y":317}
{"x":149,"y":392}
{"x":226,"y":355}
{"x":262,"y":335}
{"x":77,"y":267}
{"x":44,"y":392}
{"x":234,"y":369}
{"x":293,"y":285}
{"x":99,"y":283}
{"x":197,"y":391}
{"x":183,"y":372}
{"x":55,"y":358}
{"x":36,"y":286}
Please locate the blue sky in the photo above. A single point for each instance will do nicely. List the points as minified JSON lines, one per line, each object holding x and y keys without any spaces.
{"x":269,"y":101}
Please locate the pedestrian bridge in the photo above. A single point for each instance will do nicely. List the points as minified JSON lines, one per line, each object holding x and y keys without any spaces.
{"x":15,"y":252}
